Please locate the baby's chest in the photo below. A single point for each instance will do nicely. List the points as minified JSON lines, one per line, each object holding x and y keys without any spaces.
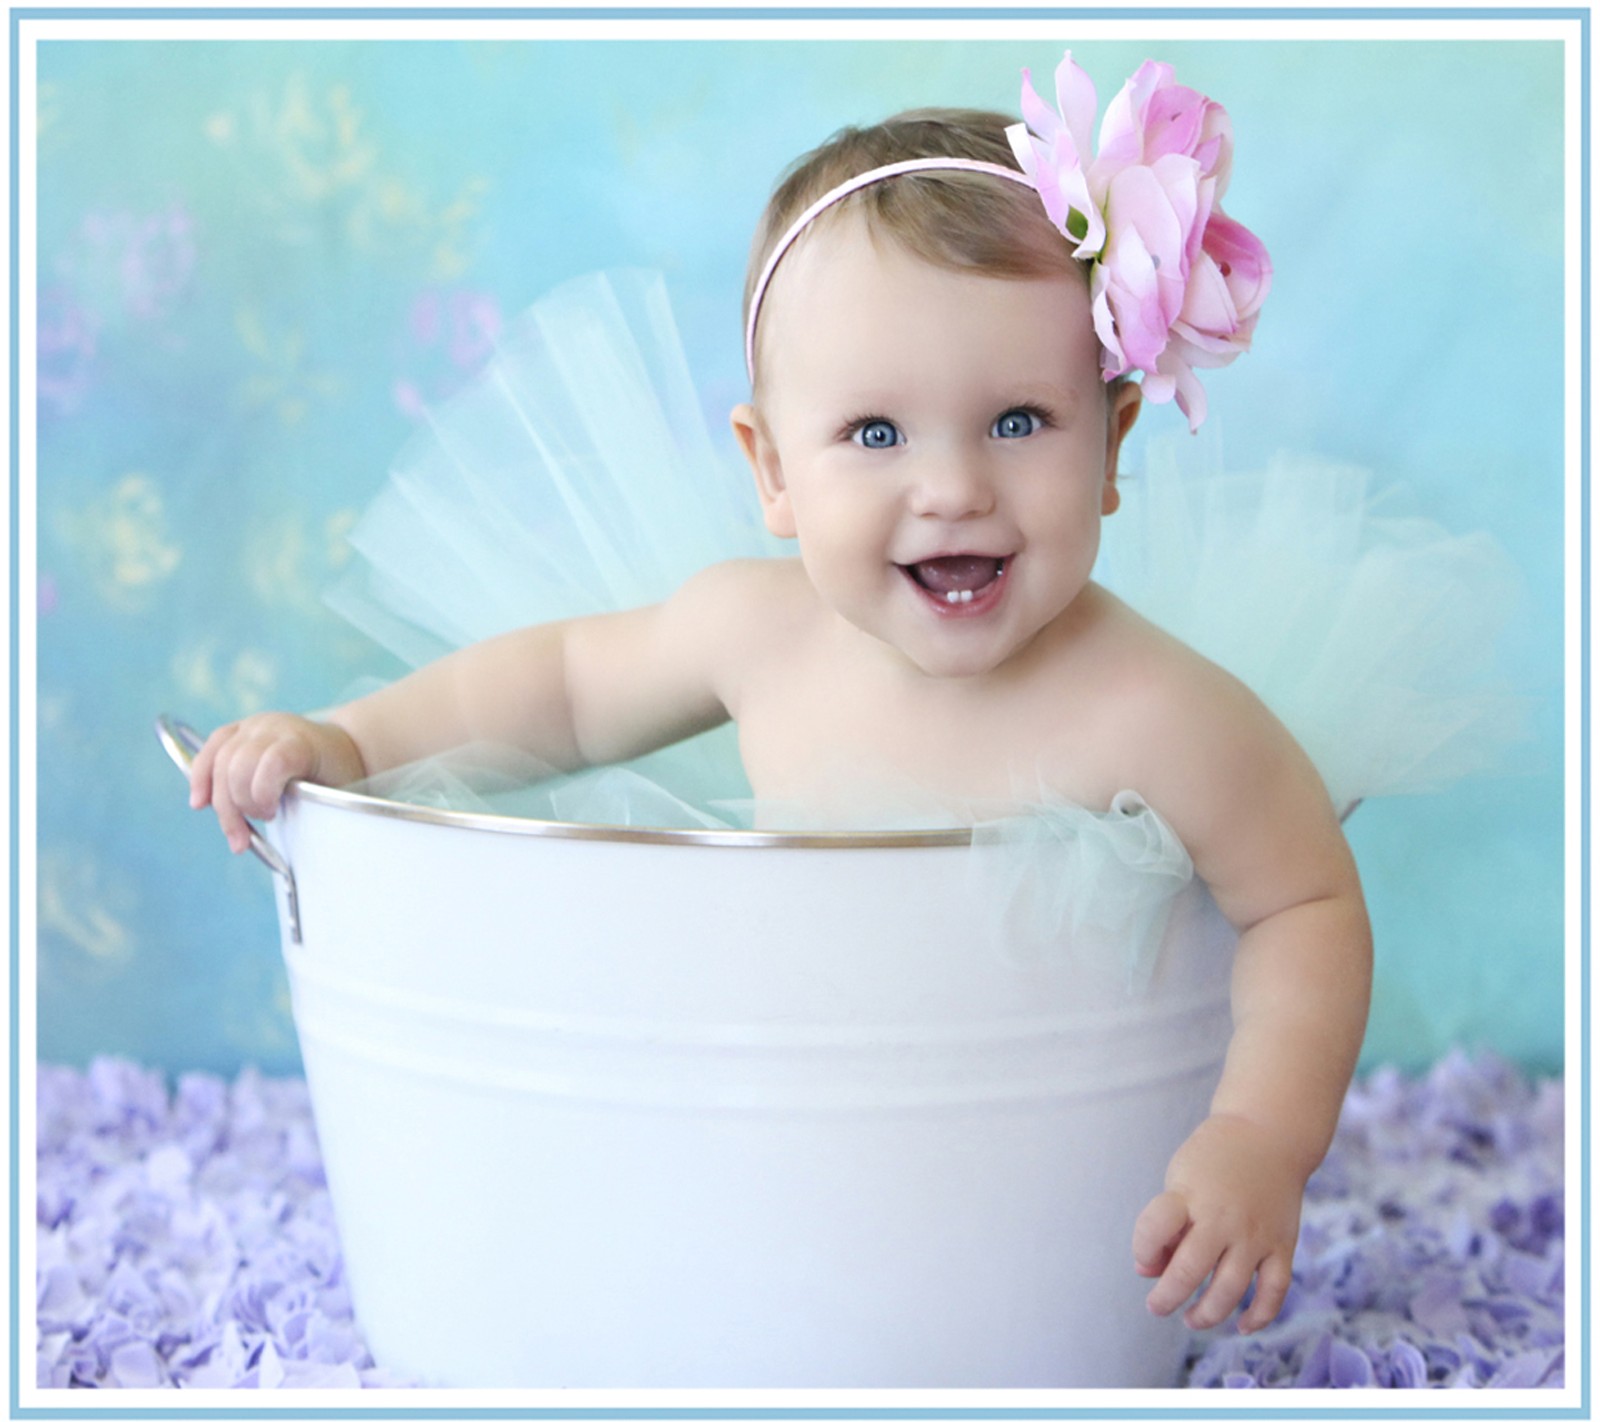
{"x":826,"y":739}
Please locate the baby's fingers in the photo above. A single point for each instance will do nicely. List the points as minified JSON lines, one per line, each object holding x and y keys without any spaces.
{"x":202,"y":766}
{"x":1272,"y":1286}
{"x":234,"y":791}
{"x":277,"y":767}
{"x":1194,"y":1258}
{"x":1228,"y":1285}
{"x":248,"y":772}
{"x":1157,"y":1231}
{"x":230,"y":818}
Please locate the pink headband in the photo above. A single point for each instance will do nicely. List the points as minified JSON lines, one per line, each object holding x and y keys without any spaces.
{"x":833,"y":195}
{"x":1174,"y":282}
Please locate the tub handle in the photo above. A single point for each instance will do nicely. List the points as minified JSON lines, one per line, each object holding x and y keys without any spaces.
{"x":181,"y":742}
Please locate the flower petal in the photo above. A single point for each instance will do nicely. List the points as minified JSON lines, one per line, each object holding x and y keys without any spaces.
{"x":1078,"y":102}
{"x":1122,"y":137}
{"x":1038,"y":115}
{"x":1173,"y":121}
{"x":1243,"y":261}
{"x":1207,"y":303}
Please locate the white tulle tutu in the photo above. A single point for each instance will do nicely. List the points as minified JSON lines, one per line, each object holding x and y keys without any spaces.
{"x":577,"y":475}
{"x":1370,"y":633}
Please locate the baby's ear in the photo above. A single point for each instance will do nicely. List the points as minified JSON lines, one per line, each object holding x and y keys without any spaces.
{"x":756,"y":442}
{"x":1126,"y":400}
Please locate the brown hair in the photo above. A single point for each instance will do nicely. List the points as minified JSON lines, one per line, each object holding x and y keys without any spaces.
{"x":965,"y":221}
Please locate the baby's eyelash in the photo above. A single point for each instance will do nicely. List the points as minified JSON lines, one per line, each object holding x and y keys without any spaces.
{"x":1042,"y":415}
{"x":850,"y":428}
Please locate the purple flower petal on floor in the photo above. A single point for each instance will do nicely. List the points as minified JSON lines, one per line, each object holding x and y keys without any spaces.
{"x":1407,"y":1367}
{"x":186,"y":1239}
{"x":1530,"y":1370}
{"x":1314,"y":1372}
{"x":135,"y":1364}
{"x":1348,"y":1366}
{"x":300,"y":1372}
{"x":1437,"y":1305}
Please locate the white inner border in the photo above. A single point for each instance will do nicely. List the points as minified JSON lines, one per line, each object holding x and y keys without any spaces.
{"x":1044,"y":29}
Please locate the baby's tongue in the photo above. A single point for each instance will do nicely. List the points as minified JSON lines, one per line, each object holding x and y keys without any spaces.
{"x":959,"y":574}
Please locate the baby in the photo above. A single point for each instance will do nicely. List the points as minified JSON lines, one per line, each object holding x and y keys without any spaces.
{"x":939,"y":398}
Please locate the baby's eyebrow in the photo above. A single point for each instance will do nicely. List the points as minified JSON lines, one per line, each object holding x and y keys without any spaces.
{"x":866,"y":415}
{"x":1060,"y":400}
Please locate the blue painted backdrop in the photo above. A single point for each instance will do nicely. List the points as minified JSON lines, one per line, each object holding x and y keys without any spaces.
{"x":257,"y":261}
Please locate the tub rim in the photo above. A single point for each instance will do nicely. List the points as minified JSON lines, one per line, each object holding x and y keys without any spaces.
{"x":181,"y":741}
{"x":335,"y":797}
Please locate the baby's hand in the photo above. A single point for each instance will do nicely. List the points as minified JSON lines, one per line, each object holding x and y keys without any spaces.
{"x":243,"y":768}
{"x":1231,"y":1210}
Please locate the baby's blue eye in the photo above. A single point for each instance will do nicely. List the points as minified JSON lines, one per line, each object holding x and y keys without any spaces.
{"x":878,"y":434}
{"x":1016,"y":424}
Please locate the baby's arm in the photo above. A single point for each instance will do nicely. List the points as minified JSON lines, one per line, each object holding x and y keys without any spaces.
{"x":581,"y":692}
{"x":1256,"y":817}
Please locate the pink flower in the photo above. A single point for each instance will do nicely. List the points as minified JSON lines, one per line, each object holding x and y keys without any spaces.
{"x":1176,"y":284}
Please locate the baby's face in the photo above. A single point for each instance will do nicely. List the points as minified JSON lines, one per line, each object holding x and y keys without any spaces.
{"x":940,"y":443}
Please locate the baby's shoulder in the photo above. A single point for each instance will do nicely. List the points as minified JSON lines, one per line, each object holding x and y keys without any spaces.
{"x":1167,"y":701}
{"x":1202,"y":747}
{"x":757,"y":587}
{"x":747,"y":603}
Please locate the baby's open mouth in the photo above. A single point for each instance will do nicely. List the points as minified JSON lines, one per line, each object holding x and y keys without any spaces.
{"x":958,"y":578}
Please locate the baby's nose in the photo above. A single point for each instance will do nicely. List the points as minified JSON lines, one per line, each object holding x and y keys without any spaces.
{"x":951,"y":486}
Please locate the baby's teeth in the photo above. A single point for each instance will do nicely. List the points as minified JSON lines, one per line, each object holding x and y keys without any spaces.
{"x":958,"y":595}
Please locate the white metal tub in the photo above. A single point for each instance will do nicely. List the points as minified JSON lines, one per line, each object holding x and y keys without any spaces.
{"x":628,"y":1108}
